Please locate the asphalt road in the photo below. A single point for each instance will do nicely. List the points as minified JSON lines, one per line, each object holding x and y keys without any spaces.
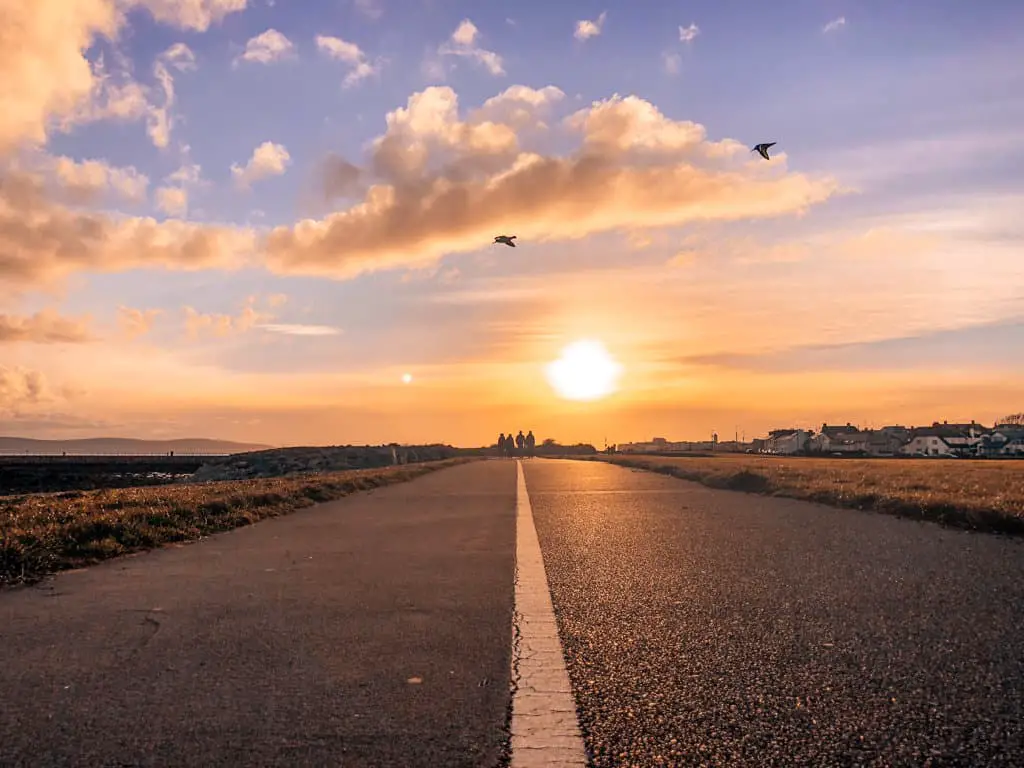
{"x":700,"y":628}
{"x":710,"y":628}
{"x":292,"y":642}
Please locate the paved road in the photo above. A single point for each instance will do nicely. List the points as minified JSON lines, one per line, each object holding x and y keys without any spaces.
{"x":287,"y":643}
{"x":699,"y":627}
{"x":708,"y":628}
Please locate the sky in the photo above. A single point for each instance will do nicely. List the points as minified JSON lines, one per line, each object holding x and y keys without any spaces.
{"x":273,"y":221}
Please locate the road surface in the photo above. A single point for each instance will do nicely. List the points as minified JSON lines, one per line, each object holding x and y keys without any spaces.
{"x":682,"y":626}
{"x":288,"y":643}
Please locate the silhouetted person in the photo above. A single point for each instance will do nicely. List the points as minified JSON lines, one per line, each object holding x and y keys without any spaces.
{"x":501,"y":444}
{"x":531,"y":443}
{"x":510,"y":445}
{"x":520,"y":443}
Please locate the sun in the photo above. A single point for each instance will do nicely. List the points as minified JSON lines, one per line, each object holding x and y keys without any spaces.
{"x":585,"y":371}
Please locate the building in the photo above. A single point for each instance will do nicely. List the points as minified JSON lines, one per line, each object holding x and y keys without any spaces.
{"x":787,"y":441}
{"x":840,"y":439}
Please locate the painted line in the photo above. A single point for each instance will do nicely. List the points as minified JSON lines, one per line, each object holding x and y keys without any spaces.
{"x":545,"y":730}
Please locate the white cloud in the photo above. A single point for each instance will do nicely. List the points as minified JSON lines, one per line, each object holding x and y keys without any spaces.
{"x":180,"y":57}
{"x":350,"y":53}
{"x":463,"y":43}
{"x":172,"y":200}
{"x":586,"y":29}
{"x":672,"y":62}
{"x":267,"y":47}
{"x":192,"y":14}
{"x":296,"y":329}
{"x":268,"y":159}
{"x":687,"y":34}
{"x":835,"y":24}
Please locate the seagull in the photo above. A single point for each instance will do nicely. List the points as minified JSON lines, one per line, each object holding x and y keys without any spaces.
{"x":762,"y":149}
{"x":506,"y":239}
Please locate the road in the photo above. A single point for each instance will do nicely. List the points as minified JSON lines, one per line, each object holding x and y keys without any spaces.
{"x":705,"y":627}
{"x":369,"y":631}
{"x":684,"y":626}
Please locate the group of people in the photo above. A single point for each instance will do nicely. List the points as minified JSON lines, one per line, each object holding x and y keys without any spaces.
{"x":520,"y":445}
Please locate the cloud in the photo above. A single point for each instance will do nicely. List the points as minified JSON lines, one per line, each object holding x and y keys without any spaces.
{"x":84,"y":181}
{"x":463,"y":43}
{"x":41,"y":241}
{"x":180,"y":57}
{"x":587,"y":29}
{"x":136,"y":322}
{"x":672,"y":62}
{"x":350,"y":53}
{"x":20,"y":387}
{"x":688,"y":34}
{"x":835,"y":24}
{"x":268,"y":159}
{"x":293,"y":329}
{"x":338,"y":177}
{"x":197,"y":15}
{"x":444,"y":185}
{"x":220,"y":325}
{"x":45,"y":327}
{"x":519,"y":107}
{"x":172,"y":200}
{"x":371,"y":9}
{"x":267,"y":47}
{"x":45,"y":78}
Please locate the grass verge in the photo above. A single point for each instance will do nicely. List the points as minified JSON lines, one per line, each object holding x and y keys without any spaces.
{"x":48,"y":532}
{"x":974,"y":495}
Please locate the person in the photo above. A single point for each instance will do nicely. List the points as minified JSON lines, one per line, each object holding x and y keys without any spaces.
{"x":510,"y":445}
{"x":531,"y":443}
{"x":501,"y":444}
{"x":520,"y":443}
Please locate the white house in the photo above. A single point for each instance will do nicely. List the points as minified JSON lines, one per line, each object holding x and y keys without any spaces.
{"x":926,"y":443}
{"x":787,"y":441}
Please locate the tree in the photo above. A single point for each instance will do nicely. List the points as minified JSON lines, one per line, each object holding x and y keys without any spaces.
{"x":1014,"y":419}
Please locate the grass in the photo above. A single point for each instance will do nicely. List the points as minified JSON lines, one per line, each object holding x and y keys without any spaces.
{"x":976,"y":495}
{"x":48,"y":532}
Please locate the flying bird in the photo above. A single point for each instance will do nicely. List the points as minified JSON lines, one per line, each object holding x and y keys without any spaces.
{"x":762,"y":149}
{"x":506,"y":239}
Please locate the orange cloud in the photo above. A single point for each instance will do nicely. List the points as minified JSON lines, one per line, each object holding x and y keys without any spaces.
{"x":43,"y":327}
{"x":136,"y":322}
{"x":41,"y":241}
{"x":448,"y":185}
{"x":44,"y":75}
{"x":20,"y":387}
{"x":222,"y":325}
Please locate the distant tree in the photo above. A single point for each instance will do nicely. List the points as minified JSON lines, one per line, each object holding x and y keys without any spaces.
{"x":1014,"y":419}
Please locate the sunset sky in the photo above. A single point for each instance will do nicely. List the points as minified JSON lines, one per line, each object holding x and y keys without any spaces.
{"x":249,"y":219}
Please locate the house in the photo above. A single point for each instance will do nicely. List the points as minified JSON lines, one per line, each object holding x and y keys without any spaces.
{"x":945,"y":440}
{"x":898,"y":432}
{"x":881,"y":443}
{"x":787,"y":441}
{"x":840,"y":439}
{"x":1002,"y":441}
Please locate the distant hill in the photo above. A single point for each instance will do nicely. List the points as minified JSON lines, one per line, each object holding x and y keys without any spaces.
{"x":125,"y":445}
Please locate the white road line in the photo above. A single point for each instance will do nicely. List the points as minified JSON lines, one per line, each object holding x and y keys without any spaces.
{"x":545,"y":731}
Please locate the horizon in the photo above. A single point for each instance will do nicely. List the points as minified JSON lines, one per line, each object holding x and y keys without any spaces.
{"x":276,"y":223}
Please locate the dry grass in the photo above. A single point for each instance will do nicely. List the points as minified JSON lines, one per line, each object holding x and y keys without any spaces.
{"x":977,"y":495}
{"x":48,"y":532}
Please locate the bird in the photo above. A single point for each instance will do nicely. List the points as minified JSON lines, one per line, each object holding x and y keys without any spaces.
{"x":762,"y":149}
{"x":506,"y":239}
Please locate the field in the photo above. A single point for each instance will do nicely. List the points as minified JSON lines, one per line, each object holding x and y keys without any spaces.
{"x":983,"y":495}
{"x":47,"y":532}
